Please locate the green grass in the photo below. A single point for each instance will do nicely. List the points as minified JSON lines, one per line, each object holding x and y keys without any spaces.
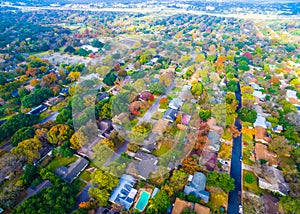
{"x":85,"y":175}
{"x":7,"y":117}
{"x":44,"y":115}
{"x":157,"y":115}
{"x":79,"y":185}
{"x":163,"y":149}
{"x":253,"y":187}
{"x":61,"y":161}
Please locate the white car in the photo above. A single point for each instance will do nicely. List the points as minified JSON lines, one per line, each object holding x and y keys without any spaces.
{"x":240,"y":209}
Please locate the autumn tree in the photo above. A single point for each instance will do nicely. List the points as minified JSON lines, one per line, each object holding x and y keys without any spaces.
{"x":59,"y":133}
{"x":28,"y":148}
{"x":189,"y":165}
{"x":73,"y":76}
{"x":78,"y":139}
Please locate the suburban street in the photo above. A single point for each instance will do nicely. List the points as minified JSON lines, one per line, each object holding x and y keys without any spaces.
{"x":147,"y":116}
{"x":234,"y":199}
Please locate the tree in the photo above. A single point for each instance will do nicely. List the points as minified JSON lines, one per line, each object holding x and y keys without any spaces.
{"x":164,"y":103}
{"x":22,"y":134}
{"x":243,"y":65}
{"x":157,"y":88}
{"x":159,"y":203}
{"x":247,"y":115}
{"x":205,"y":114}
{"x":97,"y":44}
{"x":73,"y":76}
{"x":69,"y":49}
{"x":16,"y":122}
{"x":281,"y":146}
{"x":200,"y":58}
{"x":177,"y":181}
{"x":28,"y":148}
{"x":197,"y":88}
{"x":108,"y":142}
{"x":78,"y":139}
{"x":59,"y":198}
{"x":49,"y":80}
{"x":109,"y":79}
{"x":249,"y":178}
{"x":102,"y":184}
{"x":139,"y":85}
{"x":232,"y":86}
{"x":59,"y":133}
{"x":222,"y":180}
{"x":189,"y":165}
{"x":29,"y":174}
{"x":290,"y":205}
{"x":64,"y":115}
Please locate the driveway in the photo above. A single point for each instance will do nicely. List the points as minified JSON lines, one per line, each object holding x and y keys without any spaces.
{"x":52,"y":117}
{"x":148,"y":115}
{"x":83,"y":195}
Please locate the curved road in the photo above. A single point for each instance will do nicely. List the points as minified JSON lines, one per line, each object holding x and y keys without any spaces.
{"x":234,"y":198}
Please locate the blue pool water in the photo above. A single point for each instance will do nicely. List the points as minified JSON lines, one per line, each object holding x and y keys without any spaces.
{"x":143,"y":200}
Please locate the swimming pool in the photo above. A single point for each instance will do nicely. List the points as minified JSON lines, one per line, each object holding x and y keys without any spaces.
{"x":143,"y":200}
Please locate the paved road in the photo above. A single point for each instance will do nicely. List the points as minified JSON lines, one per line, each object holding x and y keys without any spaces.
{"x":121,"y":149}
{"x":147,"y":116}
{"x":6,"y":147}
{"x":51,"y":117}
{"x":234,"y":198}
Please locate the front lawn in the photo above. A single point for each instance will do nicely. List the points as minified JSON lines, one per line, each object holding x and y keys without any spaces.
{"x":44,"y":115}
{"x":251,"y":187}
{"x":61,"y":161}
{"x":157,"y":115}
{"x":85,"y":175}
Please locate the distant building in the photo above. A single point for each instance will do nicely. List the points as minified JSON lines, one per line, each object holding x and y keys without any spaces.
{"x":105,"y":128}
{"x":181,"y":205}
{"x":38,"y":110}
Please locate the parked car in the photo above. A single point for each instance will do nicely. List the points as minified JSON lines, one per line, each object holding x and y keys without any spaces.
{"x":240,"y":209}
{"x":241,"y":158}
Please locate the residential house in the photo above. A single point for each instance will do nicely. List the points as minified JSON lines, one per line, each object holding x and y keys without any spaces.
{"x":120,"y":118}
{"x":64,"y":92}
{"x":105,"y":127}
{"x":261,"y":135}
{"x":214,"y":141}
{"x":274,"y":181}
{"x":278,"y":129}
{"x":262,"y":152}
{"x":69,"y":174}
{"x":146,"y":95}
{"x":212,"y":123}
{"x":291,"y":96}
{"x":124,"y":193}
{"x":136,"y":106}
{"x":197,"y":187}
{"x":149,"y":144}
{"x":170,"y":115}
{"x":200,"y":209}
{"x":175,"y":104}
{"x":102,"y":96}
{"x":180,"y":205}
{"x":271,"y":204}
{"x":53,"y":100}
{"x":145,"y":165}
{"x":258,"y":97}
{"x":185,"y":119}
{"x":208,"y":159}
{"x":160,"y":126}
{"x":37,"y":110}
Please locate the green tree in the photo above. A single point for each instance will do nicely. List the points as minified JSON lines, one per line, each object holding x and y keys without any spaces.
{"x":109,"y":79}
{"x":197,"y":88}
{"x":29,"y":149}
{"x":157,"y":88}
{"x":205,"y":114}
{"x":222,"y":180}
{"x":247,"y":115}
{"x":290,"y":205}
{"x":232,"y":86}
{"x":159,"y":203}
{"x":22,"y":134}
{"x":102,"y":184}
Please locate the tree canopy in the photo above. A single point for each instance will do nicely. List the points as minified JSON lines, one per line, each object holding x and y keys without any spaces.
{"x":222,"y":180}
{"x":247,"y":115}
